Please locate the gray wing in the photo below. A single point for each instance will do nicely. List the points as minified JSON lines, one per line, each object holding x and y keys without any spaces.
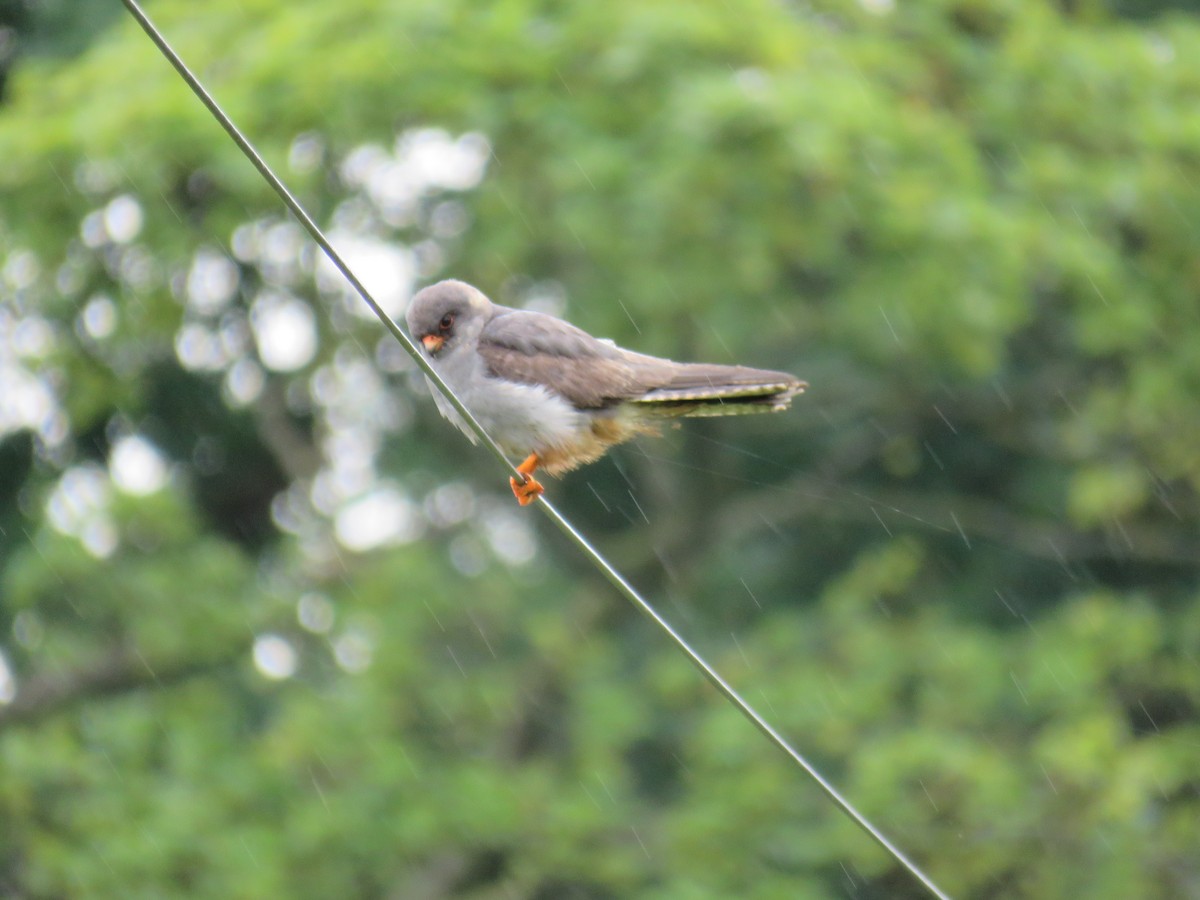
{"x":533,"y":348}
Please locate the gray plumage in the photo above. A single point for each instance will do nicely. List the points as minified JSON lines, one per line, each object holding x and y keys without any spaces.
{"x":547,"y":387}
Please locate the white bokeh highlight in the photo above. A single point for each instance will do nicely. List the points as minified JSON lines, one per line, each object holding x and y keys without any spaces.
{"x":136,"y":466}
{"x":8,"y":682}
{"x":386,"y":270}
{"x":285,"y":331}
{"x":79,"y":506}
{"x":275,"y":657}
{"x":123,"y":219}
{"x":211,"y":283}
{"x":384,"y":516}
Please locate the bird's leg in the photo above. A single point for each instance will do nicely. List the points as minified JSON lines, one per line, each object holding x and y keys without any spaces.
{"x":527,"y":491}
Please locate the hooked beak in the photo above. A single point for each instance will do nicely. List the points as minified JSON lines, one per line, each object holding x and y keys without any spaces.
{"x":433,"y":342}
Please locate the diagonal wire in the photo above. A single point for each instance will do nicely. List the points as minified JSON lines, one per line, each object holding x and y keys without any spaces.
{"x":314,"y":230}
{"x":605,"y":567}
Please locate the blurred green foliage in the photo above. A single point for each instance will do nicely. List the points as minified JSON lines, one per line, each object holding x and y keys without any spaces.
{"x":961,"y":574}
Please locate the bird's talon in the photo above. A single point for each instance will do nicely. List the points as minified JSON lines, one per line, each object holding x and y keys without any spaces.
{"x":528,"y":492}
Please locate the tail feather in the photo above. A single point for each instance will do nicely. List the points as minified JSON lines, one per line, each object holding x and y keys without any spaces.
{"x":722,"y":391}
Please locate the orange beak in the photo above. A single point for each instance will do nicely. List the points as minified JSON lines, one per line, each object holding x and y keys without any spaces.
{"x":433,"y":342}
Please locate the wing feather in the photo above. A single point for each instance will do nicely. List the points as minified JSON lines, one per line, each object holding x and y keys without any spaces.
{"x":532,"y":348}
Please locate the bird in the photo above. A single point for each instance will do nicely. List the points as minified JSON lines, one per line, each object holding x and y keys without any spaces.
{"x":549,"y":391}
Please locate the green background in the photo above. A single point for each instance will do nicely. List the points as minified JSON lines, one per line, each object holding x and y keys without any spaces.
{"x":960,"y":574}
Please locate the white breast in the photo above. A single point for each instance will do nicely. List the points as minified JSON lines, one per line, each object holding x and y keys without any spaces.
{"x":522,"y":418}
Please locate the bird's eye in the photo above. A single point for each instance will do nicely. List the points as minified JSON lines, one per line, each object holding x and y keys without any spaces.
{"x":447,"y":321}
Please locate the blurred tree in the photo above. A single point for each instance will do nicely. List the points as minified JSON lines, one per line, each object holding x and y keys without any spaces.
{"x":268,"y":627}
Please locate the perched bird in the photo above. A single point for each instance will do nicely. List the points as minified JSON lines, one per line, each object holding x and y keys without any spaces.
{"x":542,"y":387}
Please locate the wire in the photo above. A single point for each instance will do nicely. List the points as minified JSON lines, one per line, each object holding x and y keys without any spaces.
{"x":737,"y":700}
{"x":314,"y":230}
{"x":605,"y":567}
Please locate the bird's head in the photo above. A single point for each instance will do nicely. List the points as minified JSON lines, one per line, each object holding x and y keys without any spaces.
{"x":446,"y":315}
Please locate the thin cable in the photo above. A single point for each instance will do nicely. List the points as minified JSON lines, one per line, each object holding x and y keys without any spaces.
{"x":737,"y":700}
{"x":605,"y":567}
{"x":313,"y":230}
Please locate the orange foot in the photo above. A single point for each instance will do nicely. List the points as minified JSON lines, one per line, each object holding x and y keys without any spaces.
{"x":526,"y":492}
